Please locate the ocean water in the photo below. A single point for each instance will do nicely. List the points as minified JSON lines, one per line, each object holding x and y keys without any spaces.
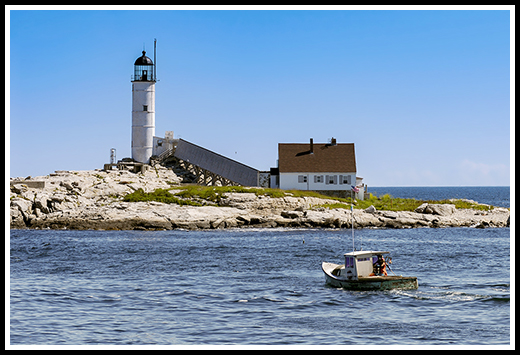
{"x":255,"y":287}
{"x":491,"y":195}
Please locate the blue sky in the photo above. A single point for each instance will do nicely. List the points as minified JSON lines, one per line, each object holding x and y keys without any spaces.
{"x":423,"y":94}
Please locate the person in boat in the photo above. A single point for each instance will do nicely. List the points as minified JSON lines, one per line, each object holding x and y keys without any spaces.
{"x":380,"y":266}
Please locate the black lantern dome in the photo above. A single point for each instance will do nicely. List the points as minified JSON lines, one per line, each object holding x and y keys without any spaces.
{"x":143,"y":69}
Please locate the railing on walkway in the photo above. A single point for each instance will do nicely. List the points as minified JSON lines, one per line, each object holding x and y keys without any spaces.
{"x":165,"y":155}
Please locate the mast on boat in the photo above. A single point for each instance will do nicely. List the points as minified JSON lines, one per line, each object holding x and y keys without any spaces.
{"x":352,"y":190}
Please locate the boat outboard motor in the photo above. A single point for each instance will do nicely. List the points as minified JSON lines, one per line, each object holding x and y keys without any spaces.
{"x":377,"y":268}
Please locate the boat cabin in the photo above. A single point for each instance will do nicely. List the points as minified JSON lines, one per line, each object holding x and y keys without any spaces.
{"x":360,"y":264}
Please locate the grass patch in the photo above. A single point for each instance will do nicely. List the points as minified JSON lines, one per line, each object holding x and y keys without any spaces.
{"x":389,"y":203}
{"x":197,"y":195}
{"x":208,"y":193}
{"x":159,"y":195}
{"x":216,"y":193}
{"x":185,"y":195}
{"x":465,"y":204}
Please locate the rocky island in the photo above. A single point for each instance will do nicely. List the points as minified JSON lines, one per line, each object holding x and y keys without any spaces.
{"x":97,"y":199}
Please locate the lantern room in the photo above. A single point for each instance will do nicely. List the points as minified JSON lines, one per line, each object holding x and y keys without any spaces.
{"x":143,"y":69}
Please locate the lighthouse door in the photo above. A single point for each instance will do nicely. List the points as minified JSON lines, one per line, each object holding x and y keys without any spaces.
{"x":145,"y":75}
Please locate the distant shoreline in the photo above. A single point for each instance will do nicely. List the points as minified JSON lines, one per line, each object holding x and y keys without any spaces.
{"x":94,"y":199}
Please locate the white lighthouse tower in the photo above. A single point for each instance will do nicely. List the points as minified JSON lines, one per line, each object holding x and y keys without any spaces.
{"x":143,"y":109}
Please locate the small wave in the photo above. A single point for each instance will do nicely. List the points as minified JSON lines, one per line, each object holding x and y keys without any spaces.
{"x":261,"y":299}
{"x":270,"y":299}
{"x":496,"y":299}
{"x":332,"y":303}
{"x":453,"y":296}
{"x":112,"y":297}
{"x":500,"y":285}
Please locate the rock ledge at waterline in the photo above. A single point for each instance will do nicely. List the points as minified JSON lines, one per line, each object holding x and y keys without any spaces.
{"x":93,"y":200}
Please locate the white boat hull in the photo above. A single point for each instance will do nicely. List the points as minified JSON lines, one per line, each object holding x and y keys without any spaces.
{"x":367,"y":283}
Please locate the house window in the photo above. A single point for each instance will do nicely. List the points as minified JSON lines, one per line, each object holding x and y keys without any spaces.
{"x":318,"y":178}
{"x":145,"y":108}
{"x":331,"y":179}
{"x":344,"y":179}
{"x":302,"y":179}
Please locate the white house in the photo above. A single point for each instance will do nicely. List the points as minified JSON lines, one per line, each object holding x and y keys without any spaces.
{"x":327,"y":167}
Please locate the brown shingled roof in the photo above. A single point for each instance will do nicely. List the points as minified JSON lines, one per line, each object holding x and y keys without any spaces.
{"x":326,"y":158}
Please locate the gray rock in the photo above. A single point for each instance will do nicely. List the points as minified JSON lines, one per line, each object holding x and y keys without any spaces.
{"x":440,"y":209}
{"x":41,"y":202}
{"x":21,"y":205}
{"x":370,"y":209}
{"x":437,"y":209}
{"x":389,"y":214}
{"x":17,"y":219}
{"x":67,"y":185}
{"x":421,"y":208}
{"x":292,"y":214}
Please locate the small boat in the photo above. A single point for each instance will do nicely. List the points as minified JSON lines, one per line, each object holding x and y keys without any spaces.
{"x":365,"y":270}
{"x":362,"y":272}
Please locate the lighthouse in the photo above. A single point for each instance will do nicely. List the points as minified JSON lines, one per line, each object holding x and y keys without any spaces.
{"x":143,"y":108}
